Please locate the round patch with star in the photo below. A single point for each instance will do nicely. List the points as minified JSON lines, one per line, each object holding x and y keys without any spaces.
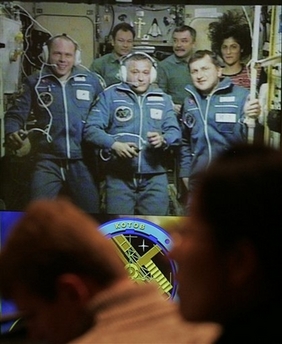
{"x":143,"y":247}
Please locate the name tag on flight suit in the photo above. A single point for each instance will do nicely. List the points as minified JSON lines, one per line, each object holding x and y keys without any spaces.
{"x":225,"y":117}
{"x":82,"y":95}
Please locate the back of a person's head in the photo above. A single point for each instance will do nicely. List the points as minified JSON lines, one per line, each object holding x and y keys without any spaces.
{"x":240,"y":198}
{"x":53,"y":238}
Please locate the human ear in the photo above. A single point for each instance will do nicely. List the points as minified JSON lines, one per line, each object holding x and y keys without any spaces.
{"x":73,"y":288}
{"x":242,"y":263}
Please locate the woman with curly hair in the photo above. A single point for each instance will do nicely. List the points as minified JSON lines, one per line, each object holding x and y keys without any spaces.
{"x":230,"y":38}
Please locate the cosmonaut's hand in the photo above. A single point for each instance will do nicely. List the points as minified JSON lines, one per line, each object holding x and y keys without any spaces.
{"x":18,"y":142}
{"x":16,"y":139}
{"x":155,"y":139}
{"x":252,"y":108}
{"x":125,"y":149}
{"x":177,"y":108}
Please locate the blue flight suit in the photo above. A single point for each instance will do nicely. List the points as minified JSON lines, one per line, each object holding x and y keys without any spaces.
{"x":59,"y":109}
{"x":137,"y":185}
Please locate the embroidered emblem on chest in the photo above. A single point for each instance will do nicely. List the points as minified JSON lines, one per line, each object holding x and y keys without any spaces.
{"x":45,"y":99}
{"x":123,"y":113}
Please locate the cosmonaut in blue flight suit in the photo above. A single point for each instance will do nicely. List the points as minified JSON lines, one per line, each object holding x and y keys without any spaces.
{"x":213,"y":116}
{"x":135,"y":123}
{"x":60,"y":96}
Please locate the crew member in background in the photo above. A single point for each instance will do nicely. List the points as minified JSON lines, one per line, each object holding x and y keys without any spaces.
{"x":108,"y":65}
{"x":136,"y":123}
{"x":60,"y":96}
{"x":231,"y":39}
{"x":173,"y":72}
{"x":212,"y":117}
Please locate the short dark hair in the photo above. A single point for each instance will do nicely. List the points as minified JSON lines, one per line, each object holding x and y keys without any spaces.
{"x":52,"y":238}
{"x":124,"y":27}
{"x":199,"y":54}
{"x":239,"y":197}
{"x":184,"y":28}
